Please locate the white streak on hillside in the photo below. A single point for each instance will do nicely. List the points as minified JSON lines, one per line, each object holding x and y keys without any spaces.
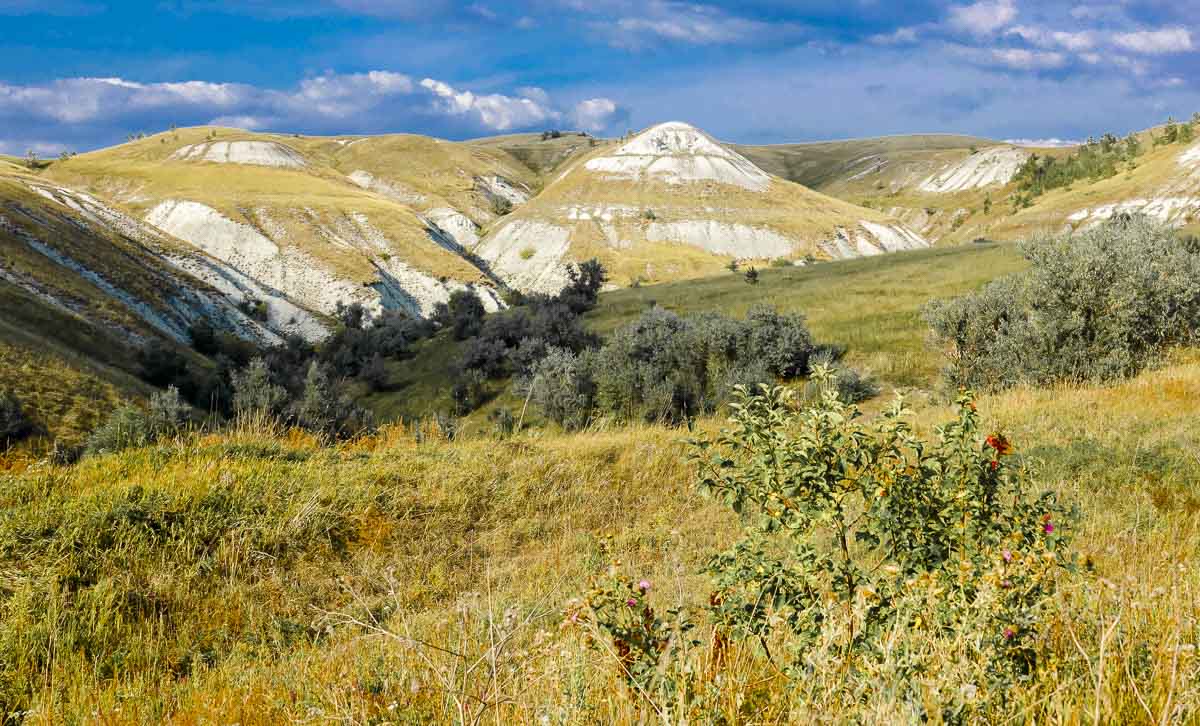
{"x":255,"y":153}
{"x":1172,"y":210}
{"x":528,"y":255}
{"x":723,"y":238}
{"x":986,"y":168}
{"x":455,"y":225}
{"x":679,"y":154}
{"x":392,"y":190}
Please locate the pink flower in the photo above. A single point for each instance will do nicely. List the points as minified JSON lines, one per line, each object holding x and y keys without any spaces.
{"x":1009,"y":633}
{"x":631,"y":602}
{"x":1007,"y":555}
{"x":1049,"y":527}
{"x":644,"y":585}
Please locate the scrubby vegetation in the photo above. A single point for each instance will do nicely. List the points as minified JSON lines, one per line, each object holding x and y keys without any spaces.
{"x":14,"y":423}
{"x":1097,"y":305}
{"x":1095,"y":160}
{"x":1027,"y":555}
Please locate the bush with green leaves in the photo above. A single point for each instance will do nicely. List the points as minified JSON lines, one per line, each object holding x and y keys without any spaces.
{"x":322,"y":409}
{"x":855,"y":531}
{"x":1096,"y":305}
{"x":129,"y":426}
{"x":561,"y":385}
{"x":14,"y":423}
{"x":254,"y":393}
{"x":462,"y":315}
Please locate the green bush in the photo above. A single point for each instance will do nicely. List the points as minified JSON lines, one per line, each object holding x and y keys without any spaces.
{"x":255,"y":394}
{"x":1096,"y":305}
{"x":854,"y":530}
{"x":14,"y":423}
{"x":322,"y":409}
{"x":562,"y":386}
{"x":130,"y":427}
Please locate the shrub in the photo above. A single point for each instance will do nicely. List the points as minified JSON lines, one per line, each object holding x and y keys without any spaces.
{"x":374,"y":373}
{"x":652,"y":369}
{"x":1097,"y":305}
{"x":751,"y":276}
{"x":161,"y":365}
{"x":14,"y":423}
{"x":781,"y":342}
{"x":255,"y":394}
{"x":203,"y":337}
{"x":463,"y":314}
{"x":323,"y":410}
{"x":853,"y":530}
{"x":130,"y":427}
{"x":561,"y":385}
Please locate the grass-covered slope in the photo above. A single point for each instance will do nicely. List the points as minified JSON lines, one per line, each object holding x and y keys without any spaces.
{"x":280,"y":210}
{"x":219,"y":578}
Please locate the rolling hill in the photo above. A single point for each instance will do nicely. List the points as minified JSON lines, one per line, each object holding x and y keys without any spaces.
{"x":673,"y":203}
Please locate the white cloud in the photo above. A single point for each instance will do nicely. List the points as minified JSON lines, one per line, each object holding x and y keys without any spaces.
{"x":1028,"y":60}
{"x":596,"y":114}
{"x":1156,"y":42}
{"x":645,"y":24}
{"x":983,"y":18}
{"x":374,"y":102}
{"x":901,"y":36}
{"x":1072,"y":41}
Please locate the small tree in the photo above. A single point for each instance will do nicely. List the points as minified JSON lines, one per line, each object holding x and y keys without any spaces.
{"x":463,"y":314}
{"x":987,"y":204}
{"x":253,"y":392}
{"x":31,"y":160}
{"x":732,"y":266}
{"x":374,"y":373}
{"x":752,"y":276}
{"x":14,"y":423}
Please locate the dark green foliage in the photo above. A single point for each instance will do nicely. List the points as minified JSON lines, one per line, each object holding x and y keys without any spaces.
{"x":838,"y":511}
{"x":255,"y":309}
{"x":14,"y":423}
{"x":374,"y":373}
{"x":161,"y":365}
{"x":665,"y":368}
{"x":322,"y":409}
{"x":351,"y":316}
{"x":561,"y":385}
{"x":203,"y":337}
{"x":463,"y":315}
{"x":255,"y":394}
{"x":752,"y":276}
{"x":511,"y":342}
{"x":1093,"y":161}
{"x":129,"y":426}
{"x":1095,"y":306}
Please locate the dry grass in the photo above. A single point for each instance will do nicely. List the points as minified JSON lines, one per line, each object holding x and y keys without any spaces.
{"x":263,"y":578}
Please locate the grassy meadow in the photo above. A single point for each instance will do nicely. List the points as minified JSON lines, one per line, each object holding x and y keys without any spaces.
{"x":260,"y":577}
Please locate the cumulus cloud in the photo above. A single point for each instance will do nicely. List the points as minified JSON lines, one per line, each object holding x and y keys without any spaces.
{"x":1156,"y":42}
{"x":597,"y":114}
{"x":93,"y":111}
{"x":983,"y":18}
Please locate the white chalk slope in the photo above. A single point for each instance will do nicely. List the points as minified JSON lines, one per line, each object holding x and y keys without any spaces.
{"x":677,"y":154}
{"x":1176,"y":203}
{"x":674,"y":184}
{"x":256,"y":153}
{"x":990,"y":167}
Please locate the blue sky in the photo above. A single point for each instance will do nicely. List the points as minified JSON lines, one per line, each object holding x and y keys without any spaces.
{"x":78,"y":74}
